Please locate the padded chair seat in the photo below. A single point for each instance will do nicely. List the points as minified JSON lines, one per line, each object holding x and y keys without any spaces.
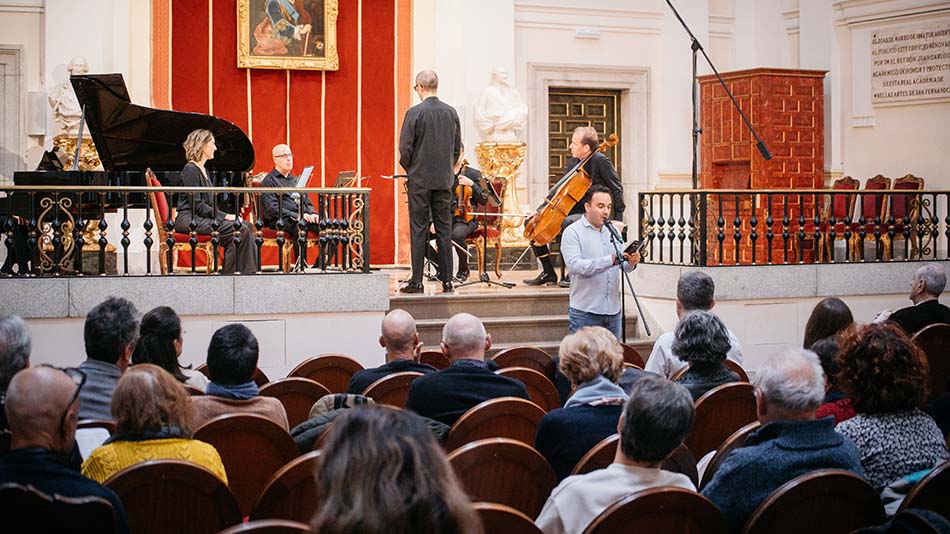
{"x":185,"y":238}
{"x":270,"y":233}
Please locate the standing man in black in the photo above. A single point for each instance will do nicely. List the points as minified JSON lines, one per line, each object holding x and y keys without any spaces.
{"x":429,"y":145}
{"x":601,"y":171}
{"x":287,"y":208}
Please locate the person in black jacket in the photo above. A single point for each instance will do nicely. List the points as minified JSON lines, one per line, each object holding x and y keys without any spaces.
{"x":447,"y":394}
{"x":925,"y":289}
{"x":288,"y":208}
{"x":601,"y":171}
{"x":199,"y":208}
{"x":429,"y":145}
{"x":401,"y":341}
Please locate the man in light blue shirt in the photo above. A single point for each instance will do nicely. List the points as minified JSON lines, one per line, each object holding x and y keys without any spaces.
{"x":592,"y":262}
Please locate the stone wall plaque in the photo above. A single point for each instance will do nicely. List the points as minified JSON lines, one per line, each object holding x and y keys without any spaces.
{"x":910,"y":63}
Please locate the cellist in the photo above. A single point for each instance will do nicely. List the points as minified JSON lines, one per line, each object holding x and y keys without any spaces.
{"x":602,"y":172}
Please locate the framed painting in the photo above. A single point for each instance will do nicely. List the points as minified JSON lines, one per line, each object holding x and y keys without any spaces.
{"x":287,"y":34}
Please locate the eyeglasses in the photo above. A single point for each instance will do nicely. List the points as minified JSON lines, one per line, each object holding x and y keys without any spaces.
{"x":287,"y":155}
{"x":79,"y":378}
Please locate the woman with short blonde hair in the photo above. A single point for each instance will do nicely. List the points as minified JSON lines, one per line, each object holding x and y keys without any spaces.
{"x":592,"y":359}
{"x":152,"y":413}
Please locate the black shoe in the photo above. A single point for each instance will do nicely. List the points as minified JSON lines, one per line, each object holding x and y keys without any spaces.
{"x":447,"y":287}
{"x":543,"y":279}
{"x":565,"y":282}
{"x":412,"y":287}
{"x":462,"y":276}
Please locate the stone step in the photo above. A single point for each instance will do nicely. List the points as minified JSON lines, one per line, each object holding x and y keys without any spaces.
{"x":524,"y":303}
{"x":539,"y":330}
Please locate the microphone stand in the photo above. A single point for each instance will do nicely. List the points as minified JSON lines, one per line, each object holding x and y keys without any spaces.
{"x":695,"y":46}
{"x":614,"y":239}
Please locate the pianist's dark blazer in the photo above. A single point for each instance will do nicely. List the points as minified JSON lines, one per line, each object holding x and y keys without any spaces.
{"x":913,"y":318}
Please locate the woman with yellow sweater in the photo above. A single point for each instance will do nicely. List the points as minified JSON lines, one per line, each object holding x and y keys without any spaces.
{"x":153,"y":421}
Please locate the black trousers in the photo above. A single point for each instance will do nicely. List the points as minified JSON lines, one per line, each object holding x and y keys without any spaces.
{"x":543,"y":253}
{"x":237,"y":257}
{"x":424,"y":203}
{"x":292,"y":232}
{"x":20,"y":254}
{"x":460,"y":232}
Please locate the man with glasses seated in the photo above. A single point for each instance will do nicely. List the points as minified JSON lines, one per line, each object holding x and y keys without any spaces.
{"x":287,"y":207}
{"x":43,"y":410}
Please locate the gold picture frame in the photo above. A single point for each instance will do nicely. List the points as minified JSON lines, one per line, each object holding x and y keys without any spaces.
{"x":287,"y":34}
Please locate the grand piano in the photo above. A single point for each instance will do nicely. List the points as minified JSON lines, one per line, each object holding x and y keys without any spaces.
{"x":131,"y":138}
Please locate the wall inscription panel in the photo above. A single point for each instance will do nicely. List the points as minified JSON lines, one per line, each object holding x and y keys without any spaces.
{"x":910,"y":63}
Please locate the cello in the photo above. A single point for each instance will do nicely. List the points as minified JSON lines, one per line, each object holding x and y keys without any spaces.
{"x":568,"y":191}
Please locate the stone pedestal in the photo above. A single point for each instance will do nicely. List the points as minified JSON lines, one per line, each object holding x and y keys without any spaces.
{"x":502,"y":161}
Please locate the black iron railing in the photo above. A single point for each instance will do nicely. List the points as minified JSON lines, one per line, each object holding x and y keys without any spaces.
{"x":768,"y":227}
{"x":63,"y":227}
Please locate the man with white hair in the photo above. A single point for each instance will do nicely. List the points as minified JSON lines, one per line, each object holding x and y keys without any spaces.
{"x":291,"y":208}
{"x":449,"y":393}
{"x":925,"y":289}
{"x":15,"y":345}
{"x":791,"y":441}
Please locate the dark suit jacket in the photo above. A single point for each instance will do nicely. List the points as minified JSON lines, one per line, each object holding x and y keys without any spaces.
{"x":447,"y":394}
{"x":429,"y":144}
{"x":287,"y":206}
{"x":602,"y":172}
{"x":366,"y":377}
{"x":914,"y":318}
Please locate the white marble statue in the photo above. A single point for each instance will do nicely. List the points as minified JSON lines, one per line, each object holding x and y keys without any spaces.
{"x":66,"y":110}
{"x":500,"y":112}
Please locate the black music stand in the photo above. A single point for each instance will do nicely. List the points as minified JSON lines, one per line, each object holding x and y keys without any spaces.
{"x":483,"y":277}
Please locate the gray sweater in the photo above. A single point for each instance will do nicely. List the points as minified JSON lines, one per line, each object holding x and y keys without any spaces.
{"x":95,"y":398}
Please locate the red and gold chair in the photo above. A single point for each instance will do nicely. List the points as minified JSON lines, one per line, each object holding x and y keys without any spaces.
{"x":872,"y":207}
{"x":269,"y":248}
{"x":840,"y":207}
{"x":904,"y":207}
{"x":490,"y":224}
{"x":163,"y":213}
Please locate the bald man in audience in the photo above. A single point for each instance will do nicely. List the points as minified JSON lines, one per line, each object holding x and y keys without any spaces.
{"x":288,"y":207}
{"x":401,"y":341}
{"x":656,"y":419}
{"x":447,"y":394}
{"x":791,"y":441}
{"x":43,"y":409}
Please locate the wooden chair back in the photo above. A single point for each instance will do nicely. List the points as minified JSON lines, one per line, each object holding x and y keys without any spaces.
{"x":269,"y":526}
{"x":500,"y":518}
{"x":824,"y":501}
{"x":682,"y":461}
{"x":530,"y":357}
{"x":292,"y":492}
{"x":334,"y":371}
{"x":932,"y":492}
{"x":540,"y":388}
{"x":392,"y":390}
{"x":733,"y":366}
{"x":733,"y":442}
{"x":906,"y":205}
{"x":720,"y":412}
{"x":842,"y":205}
{"x":630,"y":355}
{"x":107,"y":424}
{"x":297,"y":395}
{"x":504,"y":417}
{"x":259,"y":377}
{"x":933,"y":340}
{"x":435,"y":358}
{"x":162,"y":496}
{"x":599,"y":456}
{"x":664,"y":509}
{"x":252,"y":448}
{"x":504,"y":471}
{"x":27,"y":509}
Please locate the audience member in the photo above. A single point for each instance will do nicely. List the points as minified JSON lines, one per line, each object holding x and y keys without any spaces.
{"x":836,"y":403}
{"x":828,"y":318}
{"x":592,"y":359}
{"x":232,"y":360}
{"x":160,"y":341}
{"x":153,"y":420}
{"x":885,"y":375}
{"x":695,"y":290}
{"x":703,"y":341}
{"x":401,"y":341}
{"x":389,"y":475}
{"x":925,"y":289}
{"x":791,"y":441}
{"x":109,"y":335}
{"x":42,"y":410}
{"x":447,"y":394}
{"x":655,"y":421}
{"x":15,"y":345}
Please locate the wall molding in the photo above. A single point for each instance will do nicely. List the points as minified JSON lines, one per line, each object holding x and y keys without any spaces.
{"x":856,"y":12}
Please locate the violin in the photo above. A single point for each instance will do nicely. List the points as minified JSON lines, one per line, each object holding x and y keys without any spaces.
{"x":463,"y":197}
{"x":568,"y":191}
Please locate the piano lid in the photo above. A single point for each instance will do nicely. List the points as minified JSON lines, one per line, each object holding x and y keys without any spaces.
{"x":129,"y":137}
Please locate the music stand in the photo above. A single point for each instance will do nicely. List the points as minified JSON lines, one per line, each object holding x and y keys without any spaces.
{"x":483,"y":277}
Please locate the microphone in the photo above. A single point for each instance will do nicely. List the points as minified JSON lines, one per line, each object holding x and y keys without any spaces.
{"x":613,"y":231}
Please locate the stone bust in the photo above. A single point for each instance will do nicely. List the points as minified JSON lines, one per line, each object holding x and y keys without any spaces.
{"x":66,"y":110}
{"x":500,"y":112}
